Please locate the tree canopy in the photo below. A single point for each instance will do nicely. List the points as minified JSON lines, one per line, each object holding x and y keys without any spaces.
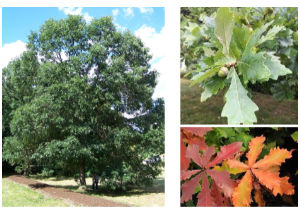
{"x":81,"y":95}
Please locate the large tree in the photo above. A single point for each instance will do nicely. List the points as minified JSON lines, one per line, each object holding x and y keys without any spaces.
{"x":87,"y":101}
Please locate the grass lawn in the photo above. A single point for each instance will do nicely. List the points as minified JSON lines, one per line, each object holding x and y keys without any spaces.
{"x":135,"y":195}
{"x":16,"y":195}
{"x":270,"y":111}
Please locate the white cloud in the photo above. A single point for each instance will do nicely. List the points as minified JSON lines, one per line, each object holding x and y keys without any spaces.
{"x":146,"y":10}
{"x":11,"y":51}
{"x":162,"y":67}
{"x":78,"y":11}
{"x":115,"y":12}
{"x":154,"y":40}
{"x":128,"y":12}
{"x":120,"y":28}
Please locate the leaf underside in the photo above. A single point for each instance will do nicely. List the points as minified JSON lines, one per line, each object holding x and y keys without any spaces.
{"x":239,"y":108}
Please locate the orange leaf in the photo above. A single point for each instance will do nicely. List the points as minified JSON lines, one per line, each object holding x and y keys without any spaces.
{"x":267,"y":178}
{"x":188,"y":188}
{"x":255,"y":145}
{"x":241,"y":167}
{"x":276,"y":157}
{"x":259,"y":197}
{"x":273,"y":169}
{"x":184,"y":161}
{"x":204,"y":198}
{"x":284,"y":188}
{"x":241,"y":196}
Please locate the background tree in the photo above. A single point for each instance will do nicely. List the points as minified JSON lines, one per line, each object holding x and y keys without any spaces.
{"x":89,"y":76}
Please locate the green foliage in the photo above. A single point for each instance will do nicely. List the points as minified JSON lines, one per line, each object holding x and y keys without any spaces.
{"x":69,"y":112}
{"x":247,"y":41}
{"x":295,"y":136}
{"x":221,"y":136}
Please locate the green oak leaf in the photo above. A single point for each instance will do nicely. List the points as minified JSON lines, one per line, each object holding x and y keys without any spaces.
{"x":241,"y":36}
{"x":208,"y":51}
{"x":270,"y":35}
{"x":286,"y":41}
{"x":239,"y":108}
{"x":190,"y":203}
{"x":204,"y":76}
{"x":253,"y":68}
{"x":221,"y":59}
{"x":225,"y":132}
{"x":243,"y":137}
{"x":275,"y":67}
{"x":212,"y":87}
{"x":295,"y":136}
{"x":254,"y":39}
{"x":224,"y":26}
{"x":266,"y":149}
{"x":197,"y":75}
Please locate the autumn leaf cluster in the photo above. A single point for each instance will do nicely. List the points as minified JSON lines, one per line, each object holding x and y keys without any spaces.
{"x":198,"y":161}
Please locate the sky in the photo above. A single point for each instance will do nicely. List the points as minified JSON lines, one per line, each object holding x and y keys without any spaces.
{"x":148,"y":23}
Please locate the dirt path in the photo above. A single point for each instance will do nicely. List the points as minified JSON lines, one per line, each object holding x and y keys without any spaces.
{"x":70,"y":197}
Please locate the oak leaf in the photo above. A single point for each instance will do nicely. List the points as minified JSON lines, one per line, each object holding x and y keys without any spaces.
{"x":265,"y":170}
{"x":221,"y":179}
{"x":242,"y":193}
{"x":204,"y":198}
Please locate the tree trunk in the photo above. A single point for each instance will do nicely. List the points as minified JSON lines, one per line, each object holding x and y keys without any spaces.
{"x":82,"y":173}
{"x":26,"y":172}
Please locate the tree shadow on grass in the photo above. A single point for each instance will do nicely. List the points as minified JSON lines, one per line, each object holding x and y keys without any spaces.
{"x":39,"y":185}
{"x":158,"y":187}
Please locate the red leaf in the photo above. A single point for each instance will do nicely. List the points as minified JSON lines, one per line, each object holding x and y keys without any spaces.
{"x":216,"y":194}
{"x":207,"y":155}
{"x":188,"y":188}
{"x":184,"y":161}
{"x":201,"y":143}
{"x":227,"y":202}
{"x":226,"y":152}
{"x":187,"y":174}
{"x":223,"y":180}
{"x":204,"y":198}
{"x":201,"y":131}
{"x":193,"y":153}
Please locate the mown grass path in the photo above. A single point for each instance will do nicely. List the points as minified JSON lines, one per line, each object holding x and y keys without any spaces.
{"x":73,"y":198}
